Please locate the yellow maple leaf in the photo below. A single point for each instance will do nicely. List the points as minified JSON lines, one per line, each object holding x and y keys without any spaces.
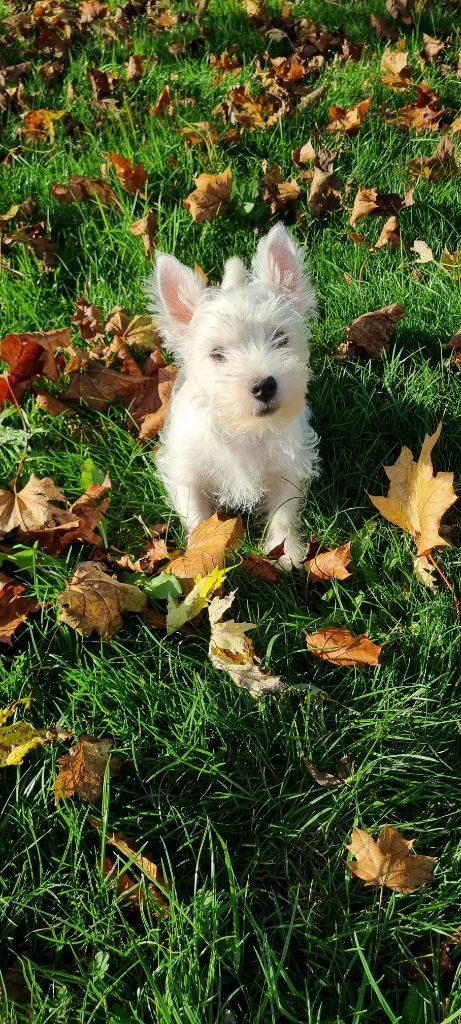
{"x":417,"y":498}
{"x":179,"y":613}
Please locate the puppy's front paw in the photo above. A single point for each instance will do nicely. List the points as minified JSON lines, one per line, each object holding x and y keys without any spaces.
{"x":294,"y":551}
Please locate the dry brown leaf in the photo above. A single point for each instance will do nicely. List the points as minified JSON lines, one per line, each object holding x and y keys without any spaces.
{"x":135,"y":67}
{"x":211,"y":191}
{"x":433,"y":47}
{"x":390,"y":235}
{"x":438,"y":167}
{"x":14,"y":607}
{"x":198,"y":133}
{"x":325,"y":190}
{"x":330,"y":565}
{"x":370,"y":201}
{"x":88,"y":510}
{"x":35,"y":238}
{"x":34,"y":508}
{"x":277,"y":192}
{"x":151,"y":398}
{"x":326,"y":779}
{"x":53,"y":405}
{"x":98,"y":386}
{"x":232,"y":651}
{"x":455,"y":126}
{"x":93,"y":601}
{"x":19,"y":739}
{"x":371,"y":333}
{"x":262,"y":568}
{"x":164,"y":104}
{"x":145,"y":228}
{"x":143,"y":863}
{"x":423,"y":251}
{"x":305,"y":155}
{"x":34,"y":354}
{"x":424,"y":115}
{"x":397,"y":73}
{"x":80,"y":189}
{"x":138,"y":332}
{"x":387,"y":861}
{"x":132,"y":177}
{"x":39,"y":124}
{"x":417,"y":499}
{"x":102,"y":83}
{"x":82,"y":769}
{"x":88,"y":320}
{"x":383,"y":28}
{"x":336,"y":645}
{"x":342,"y":120}
{"x":207,"y":546}
{"x":451,"y":261}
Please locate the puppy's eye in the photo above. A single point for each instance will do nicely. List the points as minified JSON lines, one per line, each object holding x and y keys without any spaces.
{"x":280,"y":340}
{"x":218,"y":355}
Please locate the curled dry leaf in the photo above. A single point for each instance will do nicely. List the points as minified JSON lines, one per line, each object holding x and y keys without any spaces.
{"x":151,"y":398}
{"x":425,"y":571}
{"x":424,"y":115}
{"x":370,"y":201}
{"x":417,"y":499}
{"x":35,"y":508}
{"x":326,"y":779}
{"x":19,"y":739}
{"x":383,"y":28}
{"x":433,"y":47}
{"x":88,"y":320}
{"x":262,"y":568}
{"x":33,"y":354}
{"x":325,"y":190}
{"x":211,"y":191}
{"x":277,"y":192}
{"x":88,"y":510}
{"x":98,"y":386}
{"x":371,"y":333}
{"x":423,"y":251}
{"x":451,"y":261}
{"x":337,"y":645}
{"x":305,"y":155}
{"x":438,"y":167}
{"x":132,"y":177}
{"x":232,"y":651}
{"x":207,"y":547}
{"x":397,"y":73}
{"x":143,"y":863}
{"x":35,"y":238}
{"x":80,"y":189}
{"x":163,"y":104}
{"x":145,"y":228}
{"x":82,"y":770}
{"x":93,"y":601}
{"x":330,"y":565}
{"x":387,"y":861}
{"x":135,"y":67}
{"x":52,"y":405}
{"x":14,"y":607}
{"x":39,"y":124}
{"x":137,"y":332}
{"x":401,"y":10}
{"x":342,"y":120}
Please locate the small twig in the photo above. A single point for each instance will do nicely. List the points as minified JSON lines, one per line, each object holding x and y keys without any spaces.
{"x":447,"y":583}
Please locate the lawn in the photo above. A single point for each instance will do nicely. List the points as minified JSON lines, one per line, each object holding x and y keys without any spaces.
{"x":266,"y":923}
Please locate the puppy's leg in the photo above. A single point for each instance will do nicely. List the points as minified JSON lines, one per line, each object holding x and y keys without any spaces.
{"x":191,"y":504}
{"x":282,"y":504}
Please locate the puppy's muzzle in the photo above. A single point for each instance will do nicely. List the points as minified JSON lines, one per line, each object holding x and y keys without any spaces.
{"x":264,"y":389}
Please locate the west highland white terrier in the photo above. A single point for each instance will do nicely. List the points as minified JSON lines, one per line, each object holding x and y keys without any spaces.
{"x":238,"y":433}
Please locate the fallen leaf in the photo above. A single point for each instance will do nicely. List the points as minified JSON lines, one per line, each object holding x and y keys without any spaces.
{"x":451,"y":261}
{"x":163,"y":104}
{"x":124,"y":882}
{"x":423,"y":251}
{"x":232,"y":651}
{"x":196,"y":600}
{"x":14,"y":607}
{"x":433,"y":47}
{"x":19,"y":739}
{"x":417,"y":499}
{"x":132,"y":177}
{"x":397,"y":73}
{"x":253,"y":112}
{"x":33,"y":354}
{"x":330,"y":565}
{"x":80,"y":189}
{"x":35,"y":238}
{"x":387,"y":861}
{"x":383,"y":28}
{"x":98,"y":386}
{"x":262,"y":568}
{"x":102,"y":83}
{"x":371,"y":333}
{"x":34,"y":508}
{"x":151,"y":397}
{"x":143,"y":863}
{"x":39,"y":124}
{"x":135,"y":67}
{"x":198,"y":133}
{"x":88,"y":320}
{"x":424,"y":571}
{"x":326,"y":779}
{"x":424,"y":115}
{"x":370,"y":201}
{"x":305,"y":155}
{"x":138,"y":332}
{"x":336,"y":645}
{"x":401,"y":9}
{"x":52,"y":405}
{"x":342,"y":120}
{"x":88,"y":511}
{"x":455,"y":126}
{"x":207,"y":546}
{"x":145,"y":228}
{"x":277,"y":192}
{"x":93,"y":601}
{"x":438,"y":167}
{"x":390,"y":235}
{"x":211,"y":191}
{"x":324,"y":193}
{"x":82,"y":770}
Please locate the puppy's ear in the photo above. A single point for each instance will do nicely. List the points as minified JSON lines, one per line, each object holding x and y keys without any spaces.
{"x":234,"y":274}
{"x":279,"y":260}
{"x":174,"y":293}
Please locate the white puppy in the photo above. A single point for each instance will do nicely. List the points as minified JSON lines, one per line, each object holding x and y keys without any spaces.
{"x":238,"y":432}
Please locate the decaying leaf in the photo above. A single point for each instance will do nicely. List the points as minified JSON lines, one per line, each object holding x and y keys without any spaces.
{"x":133,"y":177}
{"x":80,"y":189}
{"x":232,"y":651}
{"x":325,"y":190}
{"x":417,"y":499}
{"x":207,"y":546}
{"x":14,"y":607}
{"x":423,"y":251}
{"x":19,"y":739}
{"x":98,"y":386}
{"x":277,"y":192}
{"x":163,"y":103}
{"x":438,"y":167}
{"x":34,"y":353}
{"x":39,"y":124}
{"x":93,"y":601}
{"x":433,"y":47}
{"x":35,"y":508}
{"x":211,"y":191}
{"x":326,"y":779}
{"x":424,"y":115}
{"x":387,"y":861}
{"x":262,"y":568}
{"x":337,"y":645}
{"x":370,"y":201}
{"x":195,"y":601}
{"x":304,"y":155}
{"x":397,"y":73}
{"x":143,"y":863}
{"x":88,"y":320}
{"x":342,"y":120}
{"x":82,"y":770}
{"x":88,"y":510}
{"x":151,"y":396}
{"x":371,"y":333}
{"x":329,"y":565}
{"x":145,"y":228}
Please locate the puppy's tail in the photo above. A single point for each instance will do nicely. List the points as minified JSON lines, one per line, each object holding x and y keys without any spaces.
{"x":234,"y":274}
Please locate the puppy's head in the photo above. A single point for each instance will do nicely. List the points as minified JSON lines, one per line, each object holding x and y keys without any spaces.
{"x":244,"y":344}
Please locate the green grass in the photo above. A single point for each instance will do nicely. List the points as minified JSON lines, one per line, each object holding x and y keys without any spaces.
{"x":265,"y":922}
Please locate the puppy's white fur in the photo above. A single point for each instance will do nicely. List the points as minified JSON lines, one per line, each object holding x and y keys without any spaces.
{"x":222,"y":445}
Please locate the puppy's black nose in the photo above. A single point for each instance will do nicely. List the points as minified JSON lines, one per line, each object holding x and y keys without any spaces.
{"x":264,"y":388}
